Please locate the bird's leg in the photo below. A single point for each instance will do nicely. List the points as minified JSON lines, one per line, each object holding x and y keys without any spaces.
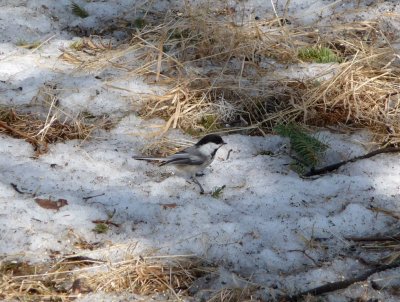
{"x":197,"y":182}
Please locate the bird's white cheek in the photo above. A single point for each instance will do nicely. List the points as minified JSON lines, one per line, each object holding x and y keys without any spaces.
{"x":208,"y":148}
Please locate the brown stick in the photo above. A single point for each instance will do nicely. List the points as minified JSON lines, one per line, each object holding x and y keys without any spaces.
{"x":330,"y":287}
{"x":89,"y":197}
{"x":333,"y":167}
{"x":15,"y":187}
{"x":374,"y":238}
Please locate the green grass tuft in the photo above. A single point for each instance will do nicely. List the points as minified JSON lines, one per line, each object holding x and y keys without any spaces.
{"x":78,"y":11}
{"x":101,"y":228}
{"x":317,"y":54}
{"x":217,"y":193}
{"x":139,"y":23}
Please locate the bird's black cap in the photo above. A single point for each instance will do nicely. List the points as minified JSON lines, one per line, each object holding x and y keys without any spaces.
{"x":211,"y":138}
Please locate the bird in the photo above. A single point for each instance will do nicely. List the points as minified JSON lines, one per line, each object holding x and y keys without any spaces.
{"x":192,"y":160}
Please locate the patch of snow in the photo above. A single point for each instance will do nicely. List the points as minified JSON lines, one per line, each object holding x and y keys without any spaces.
{"x":262,"y":226}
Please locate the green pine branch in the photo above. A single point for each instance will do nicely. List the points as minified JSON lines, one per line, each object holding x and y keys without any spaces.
{"x":309,"y":149}
{"x":78,"y":11}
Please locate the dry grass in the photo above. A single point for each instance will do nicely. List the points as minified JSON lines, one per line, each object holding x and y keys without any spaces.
{"x":153,"y":275}
{"x":218,"y":71}
{"x":234,"y":295}
{"x":169,"y":277}
{"x":41,"y":132}
{"x":86,"y":47}
{"x":364,"y":92}
{"x":74,"y":276}
{"x":165,"y":146}
{"x":46,"y":123}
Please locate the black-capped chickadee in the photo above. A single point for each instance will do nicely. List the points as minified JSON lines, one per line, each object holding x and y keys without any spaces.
{"x":194,"y":159}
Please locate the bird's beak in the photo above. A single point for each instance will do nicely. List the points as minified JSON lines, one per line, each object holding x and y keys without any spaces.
{"x":223,"y":143}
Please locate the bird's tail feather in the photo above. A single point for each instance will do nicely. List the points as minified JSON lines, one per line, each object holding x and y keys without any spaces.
{"x":148,"y":158}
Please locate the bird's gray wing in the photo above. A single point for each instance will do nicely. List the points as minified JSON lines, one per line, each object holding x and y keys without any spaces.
{"x":189,"y":156}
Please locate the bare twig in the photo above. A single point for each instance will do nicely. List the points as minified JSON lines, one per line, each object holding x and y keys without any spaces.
{"x":229,"y":154}
{"x":93,"y":196}
{"x":334,"y":286}
{"x":374,"y":238}
{"x":333,"y":167}
{"x":15,"y":187}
